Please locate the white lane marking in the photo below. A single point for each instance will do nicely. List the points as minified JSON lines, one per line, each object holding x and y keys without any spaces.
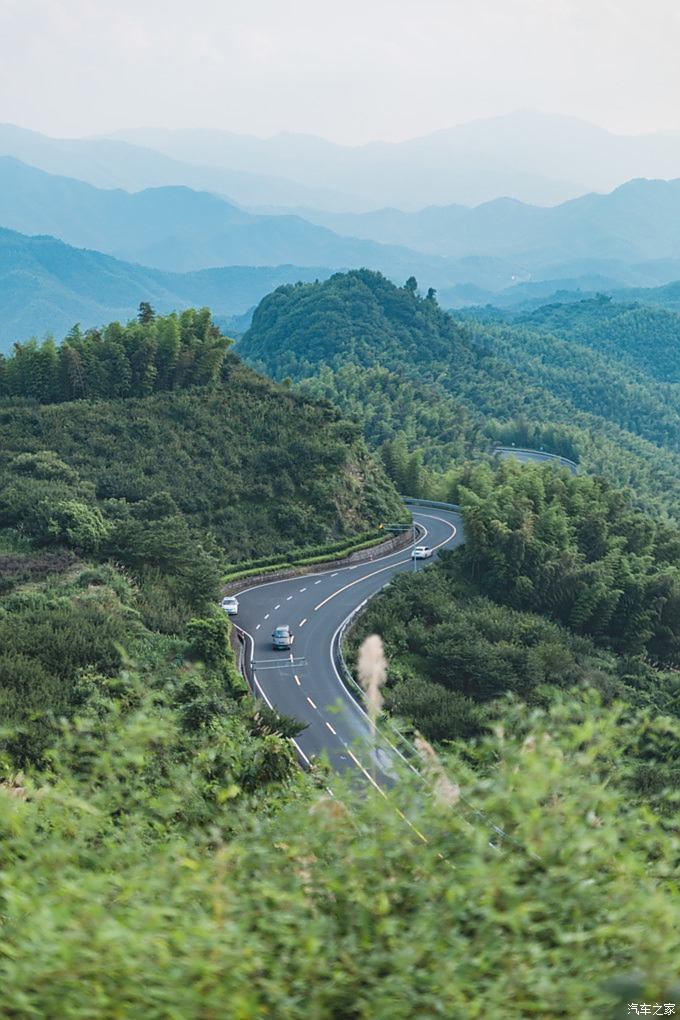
{"x":319,"y":581}
{"x":335,"y":574}
{"x":289,"y":598}
{"x":257,"y":626}
{"x":266,"y":616}
{"x":334,"y":732}
{"x":297,"y":679}
{"x":277,"y":607}
{"x":365,"y":577}
{"x":351,"y":584}
{"x":311,"y":702}
{"x":302,"y":622}
{"x":302,"y":589}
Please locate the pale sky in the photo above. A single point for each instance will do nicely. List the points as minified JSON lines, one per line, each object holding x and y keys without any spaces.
{"x":349,"y":70}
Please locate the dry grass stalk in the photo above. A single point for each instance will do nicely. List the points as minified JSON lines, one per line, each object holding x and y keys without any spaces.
{"x":372,"y":669}
{"x":446,"y":792}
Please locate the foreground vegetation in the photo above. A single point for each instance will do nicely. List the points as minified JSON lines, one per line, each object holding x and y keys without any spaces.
{"x":120,"y":899}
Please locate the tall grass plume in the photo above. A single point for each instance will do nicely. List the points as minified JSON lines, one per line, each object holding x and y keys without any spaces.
{"x":372,"y":669}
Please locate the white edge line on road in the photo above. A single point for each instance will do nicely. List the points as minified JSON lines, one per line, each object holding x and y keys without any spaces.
{"x":262,"y":692}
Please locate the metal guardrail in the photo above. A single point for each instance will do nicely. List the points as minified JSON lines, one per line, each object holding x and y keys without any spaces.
{"x":539,"y":455}
{"x":433,"y":503}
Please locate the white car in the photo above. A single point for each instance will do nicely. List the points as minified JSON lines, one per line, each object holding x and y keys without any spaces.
{"x":230,"y":605}
{"x":422,"y":552}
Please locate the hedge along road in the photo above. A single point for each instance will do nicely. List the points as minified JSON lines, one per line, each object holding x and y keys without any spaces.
{"x":305,"y":682}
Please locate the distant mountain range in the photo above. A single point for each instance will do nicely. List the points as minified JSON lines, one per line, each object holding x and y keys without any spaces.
{"x":47,"y":286}
{"x":176,"y":228}
{"x":112,"y":163}
{"x":637,"y":222}
{"x":534,"y":157}
{"x":630,"y":237}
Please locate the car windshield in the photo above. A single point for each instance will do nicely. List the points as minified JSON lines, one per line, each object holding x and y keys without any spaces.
{"x":281,"y":632}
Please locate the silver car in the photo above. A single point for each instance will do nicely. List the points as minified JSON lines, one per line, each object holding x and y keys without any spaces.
{"x":229,"y":605}
{"x":282,"y":638}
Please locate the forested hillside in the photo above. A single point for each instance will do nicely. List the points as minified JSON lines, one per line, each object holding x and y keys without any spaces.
{"x":213,"y":466}
{"x":563,"y":582}
{"x":426,"y":384}
{"x":161,"y":850}
{"x":640,"y":337}
{"x":161,"y":406}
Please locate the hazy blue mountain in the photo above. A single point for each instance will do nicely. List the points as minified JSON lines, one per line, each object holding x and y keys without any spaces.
{"x":638,"y":222}
{"x":179,"y":229}
{"x":112,"y":163}
{"x":47,"y":286}
{"x":515,"y":301}
{"x":534,"y":157}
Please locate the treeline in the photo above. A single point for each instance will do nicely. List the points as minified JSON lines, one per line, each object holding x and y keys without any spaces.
{"x":576,"y":550}
{"x":151,"y":354}
{"x":643,"y":336}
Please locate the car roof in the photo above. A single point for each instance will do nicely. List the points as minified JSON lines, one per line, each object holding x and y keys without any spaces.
{"x":283,"y":626}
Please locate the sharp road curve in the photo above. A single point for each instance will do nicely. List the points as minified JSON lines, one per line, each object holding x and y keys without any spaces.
{"x":305,"y":682}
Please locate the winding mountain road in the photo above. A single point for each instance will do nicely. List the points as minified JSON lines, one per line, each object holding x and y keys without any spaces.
{"x":305,"y":683}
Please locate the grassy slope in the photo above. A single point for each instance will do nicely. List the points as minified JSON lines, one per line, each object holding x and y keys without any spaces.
{"x":261,"y":467}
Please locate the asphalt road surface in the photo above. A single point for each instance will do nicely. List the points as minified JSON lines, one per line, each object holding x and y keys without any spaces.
{"x":305,"y":682}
